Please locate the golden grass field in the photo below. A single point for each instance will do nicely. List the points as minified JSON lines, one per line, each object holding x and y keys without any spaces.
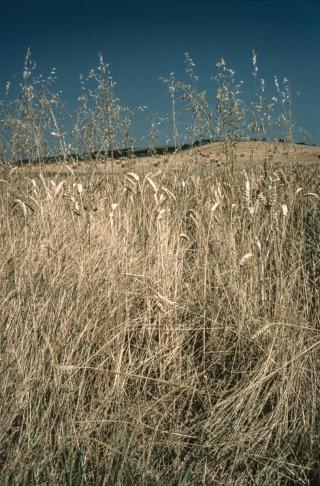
{"x":212,"y":154}
{"x":161,"y":326}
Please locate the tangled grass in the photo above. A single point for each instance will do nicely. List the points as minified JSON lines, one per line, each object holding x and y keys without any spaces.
{"x":160,"y":329}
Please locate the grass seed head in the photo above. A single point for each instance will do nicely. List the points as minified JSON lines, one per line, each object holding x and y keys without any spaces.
{"x":245,"y":258}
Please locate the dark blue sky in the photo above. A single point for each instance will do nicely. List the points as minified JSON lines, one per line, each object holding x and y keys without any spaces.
{"x":143,"y":40}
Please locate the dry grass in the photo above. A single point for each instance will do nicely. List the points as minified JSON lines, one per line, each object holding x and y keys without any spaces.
{"x":163,"y":326}
{"x":302,"y":155}
{"x":160,"y":317}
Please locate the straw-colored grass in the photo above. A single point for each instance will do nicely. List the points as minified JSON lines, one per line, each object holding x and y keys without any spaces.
{"x":158,"y":326}
{"x":159,"y":329}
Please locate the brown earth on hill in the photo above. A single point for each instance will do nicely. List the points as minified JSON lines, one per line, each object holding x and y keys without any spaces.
{"x":278,"y":154}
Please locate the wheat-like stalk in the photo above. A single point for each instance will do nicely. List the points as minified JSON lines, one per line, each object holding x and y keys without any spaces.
{"x":283,"y":178}
{"x":58,"y":189}
{"x":245,"y":258}
{"x":247,"y":194}
{"x":265,"y":329}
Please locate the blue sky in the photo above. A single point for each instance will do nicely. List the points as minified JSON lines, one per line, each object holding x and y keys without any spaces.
{"x":144,"y":40}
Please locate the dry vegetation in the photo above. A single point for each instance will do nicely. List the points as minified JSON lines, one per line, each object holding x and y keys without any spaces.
{"x":212,"y":154}
{"x":158,"y":325}
{"x":161,"y":327}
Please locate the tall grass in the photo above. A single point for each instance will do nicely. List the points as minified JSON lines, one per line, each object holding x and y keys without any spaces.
{"x":160,"y":328}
